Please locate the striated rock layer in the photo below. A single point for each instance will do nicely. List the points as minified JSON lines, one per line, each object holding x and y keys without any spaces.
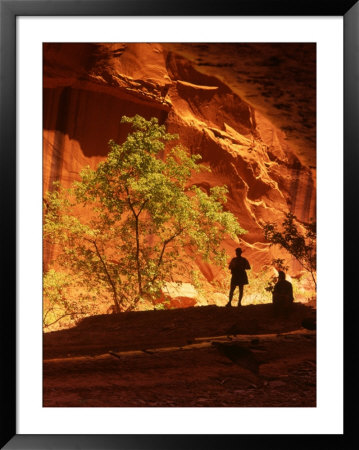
{"x":89,"y":87}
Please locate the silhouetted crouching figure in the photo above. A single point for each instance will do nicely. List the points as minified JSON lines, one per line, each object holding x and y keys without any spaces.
{"x":238,"y":267}
{"x":282,"y":294}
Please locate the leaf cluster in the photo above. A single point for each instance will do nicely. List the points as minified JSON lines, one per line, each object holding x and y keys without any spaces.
{"x":300,"y":242}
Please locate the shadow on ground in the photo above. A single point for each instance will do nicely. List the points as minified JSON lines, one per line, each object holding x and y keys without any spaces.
{"x":195,"y":357}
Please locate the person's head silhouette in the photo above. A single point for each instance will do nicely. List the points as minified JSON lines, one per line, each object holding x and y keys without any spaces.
{"x":281,"y":275}
{"x":238,"y":251}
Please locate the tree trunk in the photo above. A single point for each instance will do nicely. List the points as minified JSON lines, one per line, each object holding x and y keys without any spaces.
{"x":139,"y":276}
{"x":112,"y":284}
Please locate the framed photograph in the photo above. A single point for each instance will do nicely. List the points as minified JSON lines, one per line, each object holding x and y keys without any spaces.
{"x":175,"y":178}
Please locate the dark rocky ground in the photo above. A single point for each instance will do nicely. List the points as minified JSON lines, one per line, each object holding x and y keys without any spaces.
{"x":169,"y":359}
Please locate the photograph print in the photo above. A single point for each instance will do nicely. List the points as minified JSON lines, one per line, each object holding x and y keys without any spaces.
{"x":179,"y":225}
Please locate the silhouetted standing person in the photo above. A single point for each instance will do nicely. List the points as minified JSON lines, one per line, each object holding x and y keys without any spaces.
{"x":238,"y":267}
{"x":282,"y":294}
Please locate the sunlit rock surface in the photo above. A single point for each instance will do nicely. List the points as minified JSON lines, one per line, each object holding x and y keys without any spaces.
{"x":248,"y":109}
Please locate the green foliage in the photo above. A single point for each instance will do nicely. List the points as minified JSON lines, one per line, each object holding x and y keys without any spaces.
{"x":60,"y":307}
{"x":143,"y":212}
{"x":299,"y":243}
{"x":162,"y":306}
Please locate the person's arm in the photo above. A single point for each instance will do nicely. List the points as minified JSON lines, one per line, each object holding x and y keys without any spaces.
{"x":231,"y":264}
{"x":247,"y":265}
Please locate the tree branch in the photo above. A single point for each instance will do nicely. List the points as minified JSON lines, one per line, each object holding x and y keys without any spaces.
{"x":131,"y":205}
{"x":64,"y":315}
{"x":139,"y":276}
{"x":107,"y":273}
{"x":165,"y":243}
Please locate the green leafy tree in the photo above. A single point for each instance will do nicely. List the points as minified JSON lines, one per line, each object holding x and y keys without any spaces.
{"x":140,"y":216}
{"x":300,"y":243}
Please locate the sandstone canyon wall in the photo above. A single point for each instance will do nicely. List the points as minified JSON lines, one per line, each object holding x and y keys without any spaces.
{"x":89,"y":87}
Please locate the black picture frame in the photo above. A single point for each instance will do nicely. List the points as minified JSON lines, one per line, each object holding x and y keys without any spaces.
{"x":9,"y":10}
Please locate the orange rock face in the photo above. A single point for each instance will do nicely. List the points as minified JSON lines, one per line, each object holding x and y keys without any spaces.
{"x":89,"y":87}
